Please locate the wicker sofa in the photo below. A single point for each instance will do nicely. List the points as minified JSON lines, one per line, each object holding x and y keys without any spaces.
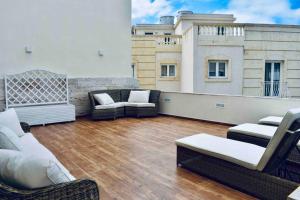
{"x":122,"y":108}
{"x":80,"y":189}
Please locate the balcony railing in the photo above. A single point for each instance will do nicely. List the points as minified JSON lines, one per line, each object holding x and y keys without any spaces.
{"x":221,"y":30}
{"x":168,"y":40}
{"x":275,"y":89}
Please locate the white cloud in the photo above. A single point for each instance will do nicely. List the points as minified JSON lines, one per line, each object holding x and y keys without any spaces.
{"x":142,"y":9}
{"x":262,"y":11}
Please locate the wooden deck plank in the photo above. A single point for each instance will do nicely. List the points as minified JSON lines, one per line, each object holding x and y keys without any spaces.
{"x":134,"y":158}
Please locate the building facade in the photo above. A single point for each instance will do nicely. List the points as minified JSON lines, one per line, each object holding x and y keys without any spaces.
{"x":209,"y":53}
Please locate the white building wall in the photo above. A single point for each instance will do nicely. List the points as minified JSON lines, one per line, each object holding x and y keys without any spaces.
{"x":232,"y":85}
{"x":65,"y":37}
{"x":187,"y":69}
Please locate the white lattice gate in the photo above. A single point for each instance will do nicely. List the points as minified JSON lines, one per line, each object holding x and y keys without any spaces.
{"x":37,"y":95}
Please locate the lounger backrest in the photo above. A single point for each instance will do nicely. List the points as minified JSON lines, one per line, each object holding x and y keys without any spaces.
{"x":279,"y":141}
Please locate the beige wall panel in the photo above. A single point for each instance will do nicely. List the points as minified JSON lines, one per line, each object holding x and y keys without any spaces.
{"x":140,"y":43}
{"x":146,"y":66}
{"x":144,"y":59}
{"x":147,"y":87}
{"x":269,"y":55}
{"x":293,"y":64}
{"x":254,"y":63}
{"x":143,"y":51}
{"x":293,"y":82}
{"x":253,"y":73}
{"x":146,"y":73}
{"x":251,"y":92}
{"x":147,"y":81}
{"x":272,"y":36}
{"x":294,"y":92}
{"x":252,"y":83}
{"x":271,"y":45}
{"x":293,"y":73}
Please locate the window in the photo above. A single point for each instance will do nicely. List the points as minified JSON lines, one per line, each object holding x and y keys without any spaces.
{"x":168,"y":70}
{"x":167,"y":33}
{"x":217,"y":69}
{"x":148,"y":33}
{"x":272,"y":78}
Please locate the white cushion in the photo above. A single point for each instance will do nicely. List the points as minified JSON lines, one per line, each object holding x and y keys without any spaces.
{"x":241,"y":153}
{"x":9,"y":140}
{"x":257,"y":130}
{"x":103,"y":99}
{"x":284,"y":126}
{"x":140,"y":104}
{"x":31,"y":145}
{"x":110,"y":106}
{"x":28,"y":171}
{"x":139,"y":96}
{"x":271,"y":120}
{"x":10,"y":119}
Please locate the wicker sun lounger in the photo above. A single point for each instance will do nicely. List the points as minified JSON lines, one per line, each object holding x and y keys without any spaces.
{"x":271,"y":120}
{"x":247,"y":167}
{"x":261,"y":134}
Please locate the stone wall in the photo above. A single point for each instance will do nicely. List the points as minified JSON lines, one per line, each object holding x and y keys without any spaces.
{"x":79,"y":88}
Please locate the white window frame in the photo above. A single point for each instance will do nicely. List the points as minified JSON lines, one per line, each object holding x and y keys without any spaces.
{"x":217,"y":69}
{"x":168,"y":70}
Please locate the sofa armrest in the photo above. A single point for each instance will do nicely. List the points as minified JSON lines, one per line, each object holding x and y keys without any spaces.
{"x":92,"y":101}
{"x":25,"y":127}
{"x":83,"y":189}
{"x":154,"y":96}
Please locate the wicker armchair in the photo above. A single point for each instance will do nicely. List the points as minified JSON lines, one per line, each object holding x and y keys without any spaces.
{"x":75,"y":190}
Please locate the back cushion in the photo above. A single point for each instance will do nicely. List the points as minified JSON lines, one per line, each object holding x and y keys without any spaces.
{"x":10,"y":119}
{"x":103,"y":99}
{"x":284,"y":126}
{"x":139,"y":96}
{"x":28,"y":171}
{"x":9,"y":140}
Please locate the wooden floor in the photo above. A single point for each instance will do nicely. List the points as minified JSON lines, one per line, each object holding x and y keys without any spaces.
{"x":134,"y":159}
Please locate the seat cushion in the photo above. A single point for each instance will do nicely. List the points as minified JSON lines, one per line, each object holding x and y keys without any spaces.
{"x":240,"y":153}
{"x":139,"y":96}
{"x":140,"y":104}
{"x":10,"y":119}
{"x":30,"y":145}
{"x":271,"y":120}
{"x":9,"y":140}
{"x":29,"y":171}
{"x":256,"y":130}
{"x":110,"y":106}
{"x":103,"y":99}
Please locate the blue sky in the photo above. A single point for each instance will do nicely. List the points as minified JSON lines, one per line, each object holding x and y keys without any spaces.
{"x":246,"y":11}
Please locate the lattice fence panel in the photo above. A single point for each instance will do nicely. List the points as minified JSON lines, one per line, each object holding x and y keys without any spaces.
{"x":36,"y":87}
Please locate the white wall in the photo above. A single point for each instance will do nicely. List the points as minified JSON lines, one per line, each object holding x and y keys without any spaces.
{"x":237,"y":109}
{"x":65,"y":37}
{"x":187,"y":68}
{"x":231,"y":86}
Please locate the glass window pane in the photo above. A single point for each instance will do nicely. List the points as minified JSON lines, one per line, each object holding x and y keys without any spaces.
{"x":212,"y":69}
{"x":171,"y":70}
{"x":276,"y":72}
{"x":222,"y":69}
{"x":268,"y":72}
{"x":164,"y":70}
